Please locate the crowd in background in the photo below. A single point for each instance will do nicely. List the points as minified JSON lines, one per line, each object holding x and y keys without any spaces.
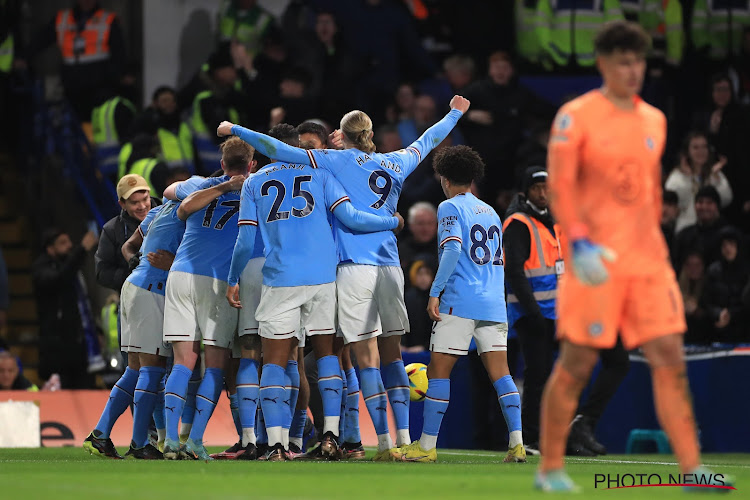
{"x":401,"y":61}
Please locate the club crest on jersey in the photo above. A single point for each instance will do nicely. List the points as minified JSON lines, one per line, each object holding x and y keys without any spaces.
{"x":650,"y":143}
{"x":563,"y":122}
{"x":596,"y":329}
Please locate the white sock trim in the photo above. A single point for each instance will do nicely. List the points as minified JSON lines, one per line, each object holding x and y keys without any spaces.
{"x":248,"y":436}
{"x":402,"y":437}
{"x":427,"y":442}
{"x":384,"y":442}
{"x":185,"y":429}
{"x":515,"y":438}
{"x":331,"y":424}
{"x":274,"y":435}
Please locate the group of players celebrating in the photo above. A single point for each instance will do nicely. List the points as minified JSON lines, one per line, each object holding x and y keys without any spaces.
{"x":305,"y":249}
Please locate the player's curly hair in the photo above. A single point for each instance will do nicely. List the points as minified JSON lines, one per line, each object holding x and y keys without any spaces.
{"x":236,"y":153}
{"x":357,"y":127}
{"x":310,"y":127}
{"x":623,"y":36}
{"x":459,"y":164}
{"x":285,"y":133}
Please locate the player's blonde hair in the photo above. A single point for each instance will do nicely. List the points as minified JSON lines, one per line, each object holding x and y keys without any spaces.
{"x":357,"y":127}
{"x":236,"y":153}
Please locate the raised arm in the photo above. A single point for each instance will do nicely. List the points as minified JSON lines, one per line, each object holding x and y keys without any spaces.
{"x":264,"y":144}
{"x":363,"y":222}
{"x":437,"y":133}
{"x":200,"y":199}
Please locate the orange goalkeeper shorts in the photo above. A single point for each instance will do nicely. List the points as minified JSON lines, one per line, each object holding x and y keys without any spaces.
{"x":640,"y":308}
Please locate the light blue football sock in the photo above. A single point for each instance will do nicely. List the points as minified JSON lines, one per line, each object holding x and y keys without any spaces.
{"x":144,"y":401}
{"x":205,"y":401}
{"x":235,"y":409}
{"x":352,"y":408}
{"x":188,"y":411}
{"x":375,"y":399}
{"x":119,"y":399}
{"x":510,"y":404}
{"x":435,"y":405}
{"x":272,"y":396}
{"x":159,"y":421}
{"x":397,"y":385}
{"x":248,"y":392}
{"x":174,"y":399}
{"x":330,"y":385}
{"x":292,"y":375}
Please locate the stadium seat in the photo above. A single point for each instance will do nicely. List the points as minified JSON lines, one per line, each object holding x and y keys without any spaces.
{"x":638,"y":440}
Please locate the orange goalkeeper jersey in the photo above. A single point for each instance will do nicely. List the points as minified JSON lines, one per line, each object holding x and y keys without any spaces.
{"x":605,"y":179}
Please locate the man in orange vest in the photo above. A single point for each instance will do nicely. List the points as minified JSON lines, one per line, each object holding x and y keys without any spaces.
{"x":91,"y":42}
{"x":533,"y":264}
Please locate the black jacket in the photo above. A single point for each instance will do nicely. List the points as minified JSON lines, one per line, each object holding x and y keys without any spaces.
{"x":517,"y":248}
{"x":55,"y":292}
{"x":111,"y":267}
{"x":700,"y":238}
{"x":724,"y":285}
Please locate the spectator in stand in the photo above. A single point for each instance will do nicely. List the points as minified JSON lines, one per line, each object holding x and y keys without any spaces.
{"x":725,"y":280}
{"x":387,"y":139}
{"x":162,"y":120}
{"x":416,"y":297}
{"x":669,"y":210}
{"x":501,"y":113}
{"x":11,"y":378}
{"x":726,"y":123}
{"x":703,"y":236}
{"x":533,"y":151}
{"x":111,"y":267}
{"x":697,"y":168}
{"x":66,"y":325}
{"x":422,"y":240}
{"x":144,"y":160}
{"x":392,"y":55}
{"x":328,"y":59}
{"x":692,"y":280}
{"x":112,"y":121}
{"x":246,"y":22}
{"x":294,"y":103}
{"x":423,"y":117}
{"x":93,"y":52}
{"x":406,"y":100}
{"x":218,"y":100}
{"x":459,"y":72}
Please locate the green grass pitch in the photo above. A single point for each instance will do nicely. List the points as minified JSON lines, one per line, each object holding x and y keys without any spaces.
{"x":61,"y":473}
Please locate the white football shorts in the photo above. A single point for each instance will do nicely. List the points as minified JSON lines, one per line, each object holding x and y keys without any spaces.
{"x":371,"y":301}
{"x":142,"y":321}
{"x":196,"y":308}
{"x":452,"y":335}
{"x":251,"y":282}
{"x":290,"y":311}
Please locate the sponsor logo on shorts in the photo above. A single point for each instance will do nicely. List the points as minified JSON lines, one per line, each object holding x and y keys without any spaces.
{"x":595,"y":329}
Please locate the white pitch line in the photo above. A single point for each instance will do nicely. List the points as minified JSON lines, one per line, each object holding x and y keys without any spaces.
{"x":640,"y":462}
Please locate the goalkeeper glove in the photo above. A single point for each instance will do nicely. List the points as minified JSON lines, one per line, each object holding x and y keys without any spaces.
{"x":587,"y":262}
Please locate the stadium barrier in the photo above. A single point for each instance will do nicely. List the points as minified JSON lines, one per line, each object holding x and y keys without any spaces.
{"x":67,"y":417}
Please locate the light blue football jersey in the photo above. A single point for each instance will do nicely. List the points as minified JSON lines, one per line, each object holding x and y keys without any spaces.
{"x":290,"y":203}
{"x":210,"y":233}
{"x":476,"y":289}
{"x":373,"y":181}
{"x":161,"y":230}
{"x":245,"y":215}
